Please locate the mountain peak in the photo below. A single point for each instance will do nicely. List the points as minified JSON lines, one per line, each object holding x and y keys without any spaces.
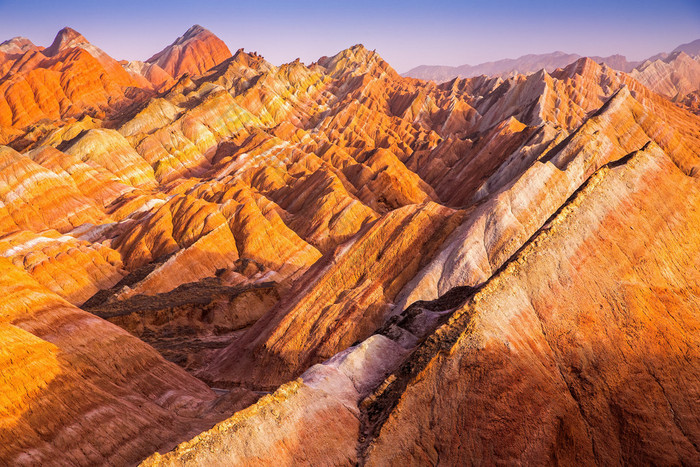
{"x":66,"y":37}
{"x":355,"y":59}
{"x":691,"y":48}
{"x":17,"y":45}
{"x":358,"y":48}
{"x":194,"y":53}
{"x":584,"y":66}
{"x":195,"y":30}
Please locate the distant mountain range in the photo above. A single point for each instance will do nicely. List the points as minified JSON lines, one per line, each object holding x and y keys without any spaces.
{"x":535,"y":62}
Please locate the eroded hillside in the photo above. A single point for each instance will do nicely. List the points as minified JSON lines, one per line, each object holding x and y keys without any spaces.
{"x":489,"y":269}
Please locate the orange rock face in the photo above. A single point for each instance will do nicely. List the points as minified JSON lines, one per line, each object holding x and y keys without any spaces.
{"x":491,"y":270}
{"x":68,"y":397}
{"x":350,"y":287}
{"x":69,"y":79}
{"x":193,"y":53}
{"x":36,"y":198}
{"x":74,"y":269}
{"x":533,"y":359}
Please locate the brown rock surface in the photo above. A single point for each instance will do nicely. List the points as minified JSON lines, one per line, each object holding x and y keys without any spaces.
{"x":190,"y":322}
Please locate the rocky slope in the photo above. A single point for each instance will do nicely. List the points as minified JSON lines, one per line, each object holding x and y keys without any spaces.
{"x":193,"y":53}
{"x":70,"y":397}
{"x":517,"y":357}
{"x":674,"y":76}
{"x":67,"y":80}
{"x":406,"y":271}
{"x":509,"y":358}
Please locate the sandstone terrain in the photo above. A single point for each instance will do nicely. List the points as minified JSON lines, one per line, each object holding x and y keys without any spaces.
{"x":208,"y":259}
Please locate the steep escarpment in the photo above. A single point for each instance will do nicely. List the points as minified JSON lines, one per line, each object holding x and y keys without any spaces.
{"x":592,"y":375}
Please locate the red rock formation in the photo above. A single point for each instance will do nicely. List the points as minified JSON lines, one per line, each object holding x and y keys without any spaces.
{"x":340,"y":300}
{"x":69,"y":79}
{"x":149,"y":75}
{"x":17,"y":46}
{"x":515,"y":364}
{"x":35,"y":198}
{"x":194,"y":53}
{"x":92,"y":180}
{"x":467,"y":239}
{"x":74,"y":269}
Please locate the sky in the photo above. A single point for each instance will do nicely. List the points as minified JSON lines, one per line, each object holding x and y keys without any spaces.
{"x":405,"y":33}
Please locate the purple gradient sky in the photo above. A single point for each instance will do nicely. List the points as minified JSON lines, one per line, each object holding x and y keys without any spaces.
{"x":406,"y":34}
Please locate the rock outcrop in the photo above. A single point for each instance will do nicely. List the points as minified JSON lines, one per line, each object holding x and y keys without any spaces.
{"x":530,"y":369}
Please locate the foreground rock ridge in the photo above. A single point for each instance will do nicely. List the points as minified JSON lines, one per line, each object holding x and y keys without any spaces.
{"x":208,"y":259}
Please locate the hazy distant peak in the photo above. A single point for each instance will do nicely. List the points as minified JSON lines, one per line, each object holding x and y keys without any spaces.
{"x":691,"y":48}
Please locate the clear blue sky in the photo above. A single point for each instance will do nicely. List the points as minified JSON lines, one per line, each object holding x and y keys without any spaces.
{"x":405,"y":33}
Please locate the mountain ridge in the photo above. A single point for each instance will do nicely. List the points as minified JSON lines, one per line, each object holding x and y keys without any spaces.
{"x":533,"y":62}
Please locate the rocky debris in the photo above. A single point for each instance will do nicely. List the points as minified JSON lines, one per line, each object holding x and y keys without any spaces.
{"x":186,"y":324}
